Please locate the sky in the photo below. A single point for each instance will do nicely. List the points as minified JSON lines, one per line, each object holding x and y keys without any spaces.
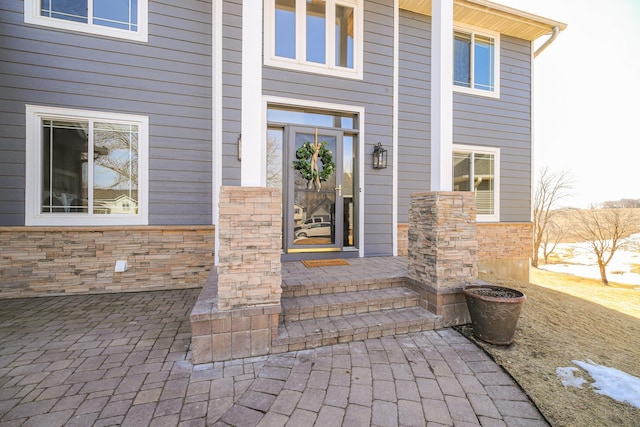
{"x":587,"y":97}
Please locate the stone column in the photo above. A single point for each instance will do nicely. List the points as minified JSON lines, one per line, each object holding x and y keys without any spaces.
{"x":238,"y":310}
{"x":250,"y":227}
{"x":443,"y":250}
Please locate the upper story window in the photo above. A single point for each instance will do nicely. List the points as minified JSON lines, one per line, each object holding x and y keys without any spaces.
{"x":476,"y":62}
{"x":85,"y":168}
{"x":321,"y":36}
{"x":477,"y":169}
{"x":114,"y":18}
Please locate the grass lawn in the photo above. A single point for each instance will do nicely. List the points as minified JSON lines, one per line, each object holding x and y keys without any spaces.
{"x":569,"y":318}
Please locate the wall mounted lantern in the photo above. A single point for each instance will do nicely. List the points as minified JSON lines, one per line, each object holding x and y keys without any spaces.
{"x":379,"y":156}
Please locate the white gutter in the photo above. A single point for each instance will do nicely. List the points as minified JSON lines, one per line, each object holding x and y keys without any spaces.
{"x":546,"y":44}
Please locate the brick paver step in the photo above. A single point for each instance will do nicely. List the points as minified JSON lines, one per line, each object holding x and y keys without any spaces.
{"x":345,"y":303}
{"x":312,"y":333}
{"x":360,"y":275}
{"x":338,"y":285}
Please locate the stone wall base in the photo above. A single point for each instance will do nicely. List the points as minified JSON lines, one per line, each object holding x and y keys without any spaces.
{"x":41,"y":261}
{"x":504,"y":248}
{"x":218,"y":335}
{"x":514,"y":269}
{"x":238,"y":310}
{"x":442,"y":252}
{"x":447,"y":303}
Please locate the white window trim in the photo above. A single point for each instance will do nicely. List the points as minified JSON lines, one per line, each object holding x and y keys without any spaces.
{"x":32,"y":16}
{"x":495,"y":93}
{"x":33,"y":214}
{"x":300,"y":63}
{"x":495,"y":151}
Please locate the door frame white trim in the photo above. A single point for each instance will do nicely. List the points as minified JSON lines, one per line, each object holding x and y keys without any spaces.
{"x":353,"y":109}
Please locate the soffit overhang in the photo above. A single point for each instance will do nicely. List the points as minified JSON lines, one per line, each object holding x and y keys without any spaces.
{"x":492,"y":16}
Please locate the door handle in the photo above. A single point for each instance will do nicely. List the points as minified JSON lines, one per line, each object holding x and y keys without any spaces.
{"x":339,"y":190}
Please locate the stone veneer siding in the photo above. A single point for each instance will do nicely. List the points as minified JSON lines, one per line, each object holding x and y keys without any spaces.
{"x":250,"y":243}
{"x":238,"y":310}
{"x":403,"y":240}
{"x":443,"y":245}
{"x":504,"y":248}
{"x":443,"y":251}
{"x":38,"y":261}
{"x":505,"y":240}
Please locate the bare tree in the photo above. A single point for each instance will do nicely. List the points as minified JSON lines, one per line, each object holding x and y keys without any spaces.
{"x":116,"y":149}
{"x":274,"y":161}
{"x":551,"y":188}
{"x":604,"y":230}
{"x":551,"y":236}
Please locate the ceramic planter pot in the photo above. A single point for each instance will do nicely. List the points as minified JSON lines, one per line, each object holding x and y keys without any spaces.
{"x":494,"y":312}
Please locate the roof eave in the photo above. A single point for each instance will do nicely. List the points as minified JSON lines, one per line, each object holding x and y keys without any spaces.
{"x":493,"y":16}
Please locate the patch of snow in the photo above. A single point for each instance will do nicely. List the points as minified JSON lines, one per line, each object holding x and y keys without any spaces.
{"x":610,"y":382}
{"x":567,"y":377}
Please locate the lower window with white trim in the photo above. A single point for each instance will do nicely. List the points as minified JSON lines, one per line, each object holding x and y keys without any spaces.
{"x":477,"y":169}
{"x":85,"y":167}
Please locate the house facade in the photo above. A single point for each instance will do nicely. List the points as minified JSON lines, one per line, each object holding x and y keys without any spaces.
{"x":121,"y":123}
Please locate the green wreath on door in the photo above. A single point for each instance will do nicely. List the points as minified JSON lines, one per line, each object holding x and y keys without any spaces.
{"x":303,"y":163}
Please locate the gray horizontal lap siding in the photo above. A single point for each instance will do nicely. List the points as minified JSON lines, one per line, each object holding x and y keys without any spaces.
{"x":414,"y":108}
{"x":504,"y":123}
{"x":167,"y":79}
{"x":482,"y":121}
{"x":375,"y":93}
{"x":231,"y":90}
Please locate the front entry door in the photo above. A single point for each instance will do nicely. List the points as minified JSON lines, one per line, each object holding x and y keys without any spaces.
{"x":314,"y":197}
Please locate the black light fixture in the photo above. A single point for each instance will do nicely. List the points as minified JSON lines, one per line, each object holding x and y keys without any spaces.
{"x":379,"y":156}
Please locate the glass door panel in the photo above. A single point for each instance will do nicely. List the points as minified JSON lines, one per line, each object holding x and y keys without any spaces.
{"x":348,"y":191}
{"x":315,"y":201}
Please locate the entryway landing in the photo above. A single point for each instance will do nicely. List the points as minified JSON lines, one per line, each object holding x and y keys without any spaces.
{"x":368,"y":298}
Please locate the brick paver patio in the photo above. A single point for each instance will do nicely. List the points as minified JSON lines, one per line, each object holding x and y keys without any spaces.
{"x":123,"y":359}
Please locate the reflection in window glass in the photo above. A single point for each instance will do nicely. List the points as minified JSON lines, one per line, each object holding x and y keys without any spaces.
{"x":348,"y":183}
{"x":89,"y":167}
{"x":285,"y":26}
{"x":298,"y":117}
{"x":69,"y":10}
{"x":461,"y":171}
{"x":479,"y":169}
{"x":65,"y":147}
{"x":462,"y":59}
{"x":115,"y":168}
{"x":316,"y":24}
{"x":121,"y":14}
{"x":473,"y":61}
{"x":274,"y":157}
{"x":483,"y":52}
{"x":344,"y":36}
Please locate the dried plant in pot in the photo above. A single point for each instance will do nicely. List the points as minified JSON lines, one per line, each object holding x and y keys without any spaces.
{"x":494,"y":312}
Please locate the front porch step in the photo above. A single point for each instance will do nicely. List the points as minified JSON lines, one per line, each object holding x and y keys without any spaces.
{"x":345,"y":303}
{"x":324,"y":285}
{"x":312,"y":333}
